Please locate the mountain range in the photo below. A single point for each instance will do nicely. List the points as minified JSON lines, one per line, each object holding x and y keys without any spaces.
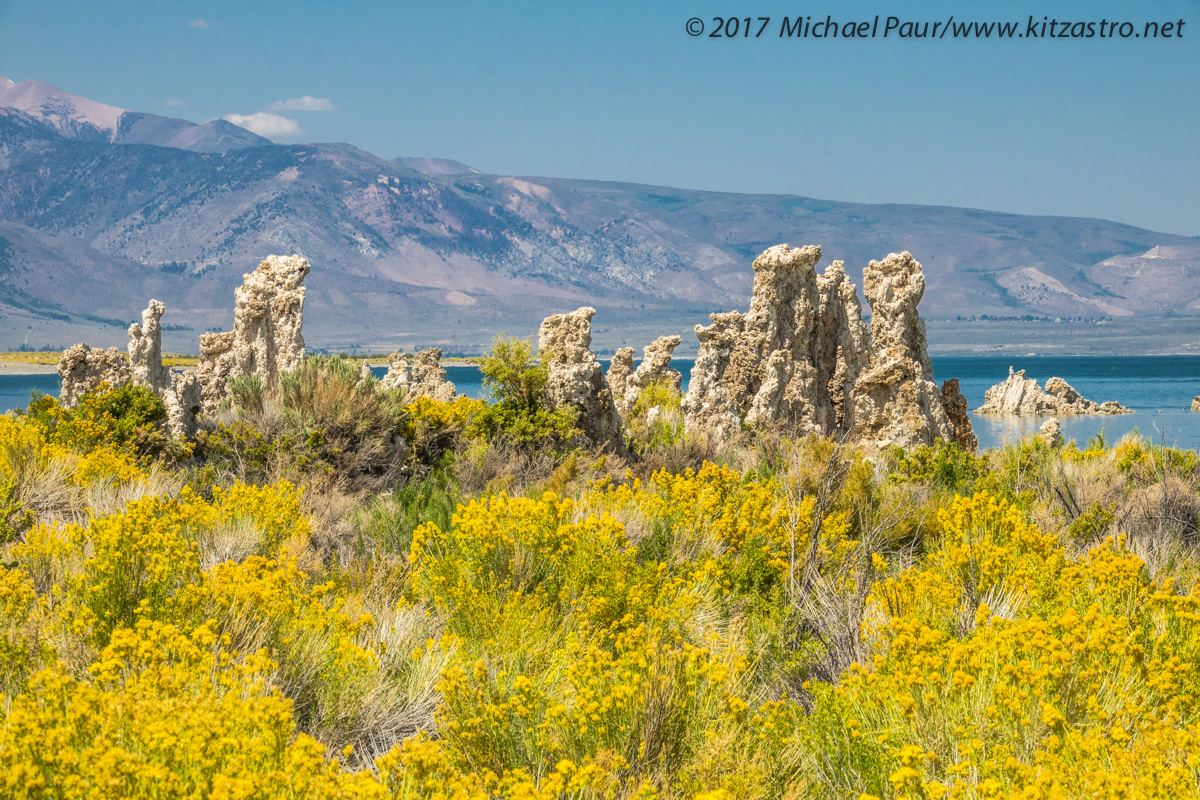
{"x":102,"y":208}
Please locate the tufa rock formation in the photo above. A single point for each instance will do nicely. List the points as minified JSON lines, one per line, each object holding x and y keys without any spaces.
{"x":712,"y":402}
{"x":184,"y":404}
{"x":843,"y":346}
{"x":399,"y":374}
{"x":803,"y":359}
{"x":180,"y":393}
{"x":896,"y":401}
{"x":656,"y":366}
{"x":1020,"y":395}
{"x":627,"y":384}
{"x":575,"y":377}
{"x":619,"y":371}
{"x":1051,"y":431}
{"x":1016,"y":395}
{"x":1196,"y":403}
{"x":83,"y":370}
{"x":265,"y":340}
{"x":424,"y":376}
{"x":772,"y":362}
{"x":955,"y":404}
{"x":760,"y":366}
{"x":145,"y":350}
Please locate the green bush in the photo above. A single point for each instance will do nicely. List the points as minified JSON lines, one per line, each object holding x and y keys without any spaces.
{"x":512,"y":376}
{"x":945,"y":465}
{"x":348,"y":422}
{"x":518,"y":414}
{"x":390,"y":520}
{"x":1093,"y":523}
{"x":656,"y":421}
{"x":326,"y":419}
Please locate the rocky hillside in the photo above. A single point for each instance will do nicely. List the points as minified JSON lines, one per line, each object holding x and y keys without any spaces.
{"x":407,"y":252}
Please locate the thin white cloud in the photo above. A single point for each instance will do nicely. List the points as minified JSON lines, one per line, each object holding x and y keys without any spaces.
{"x":305,"y":103}
{"x":266,"y":124}
{"x":174,"y":102}
{"x":200,"y":22}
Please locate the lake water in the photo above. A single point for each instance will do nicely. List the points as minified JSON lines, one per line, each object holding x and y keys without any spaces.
{"x":1147,"y":384}
{"x":15,"y":389}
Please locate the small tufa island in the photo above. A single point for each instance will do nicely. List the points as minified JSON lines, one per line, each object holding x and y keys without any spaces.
{"x":1024,"y":397}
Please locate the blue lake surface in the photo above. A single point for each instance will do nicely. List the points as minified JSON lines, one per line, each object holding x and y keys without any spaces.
{"x":1147,"y":384}
{"x":15,"y":389}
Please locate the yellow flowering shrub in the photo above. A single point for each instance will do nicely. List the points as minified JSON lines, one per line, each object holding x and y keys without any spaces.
{"x":1083,"y":664}
{"x":432,"y":424}
{"x":28,"y":451}
{"x":735,"y":530}
{"x":513,"y":545}
{"x":166,"y":714}
{"x":324,"y":651}
{"x":133,"y":564}
{"x":678,"y":636}
{"x":21,"y":646}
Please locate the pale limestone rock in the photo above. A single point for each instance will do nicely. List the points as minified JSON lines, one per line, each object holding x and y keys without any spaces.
{"x":619,"y":371}
{"x":145,"y":350}
{"x":955,"y":404}
{"x":1051,"y":431}
{"x":84,"y":370}
{"x":802,"y":358}
{"x":399,"y":374}
{"x":180,"y":393}
{"x":627,"y":384}
{"x":424,"y":376}
{"x":843,"y":347}
{"x":760,"y":367}
{"x":266,"y":339}
{"x":1196,"y":403}
{"x":575,"y":377}
{"x":710,"y":404}
{"x":896,"y":401}
{"x":1016,"y":395}
{"x":184,"y":403}
{"x":772,"y":362}
{"x":1019,"y":395}
{"x":216,"y":365}
{"x":656,"y":367}
{"x":364,"y":371}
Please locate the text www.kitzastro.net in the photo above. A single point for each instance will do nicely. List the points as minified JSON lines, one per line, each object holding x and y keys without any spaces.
{"x":880,"y":27}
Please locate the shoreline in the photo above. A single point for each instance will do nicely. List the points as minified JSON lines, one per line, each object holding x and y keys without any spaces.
{"x":24,"y":368}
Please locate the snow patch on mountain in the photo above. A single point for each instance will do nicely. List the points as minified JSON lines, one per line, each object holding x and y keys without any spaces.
{"x":65,"y":111}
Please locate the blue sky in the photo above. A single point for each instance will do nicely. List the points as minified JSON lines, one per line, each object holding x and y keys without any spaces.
{"x":619,"y":91}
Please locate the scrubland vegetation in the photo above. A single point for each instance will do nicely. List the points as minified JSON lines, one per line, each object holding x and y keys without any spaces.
{"x":335,"y":594}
